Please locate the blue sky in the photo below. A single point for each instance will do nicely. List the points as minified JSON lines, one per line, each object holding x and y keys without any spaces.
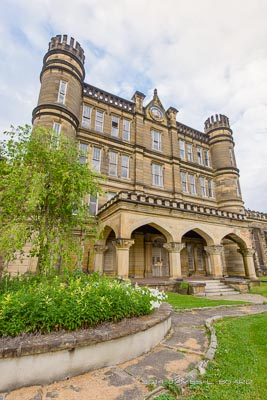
{"x":203,"y":56}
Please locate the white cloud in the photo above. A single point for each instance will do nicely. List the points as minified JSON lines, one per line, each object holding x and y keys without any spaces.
{"x":204,"y":57}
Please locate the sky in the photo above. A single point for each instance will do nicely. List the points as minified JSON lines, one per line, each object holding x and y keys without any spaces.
{"x":203,"y":56}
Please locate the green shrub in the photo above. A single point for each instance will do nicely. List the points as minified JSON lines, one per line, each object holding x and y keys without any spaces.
{"x":72,"y":301}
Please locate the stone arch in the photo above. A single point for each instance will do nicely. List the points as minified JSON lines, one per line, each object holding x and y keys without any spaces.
{"x":232,"y":258}
{"x":194,"y":258}
{"x":106,"y":230}
{"x":201,"y":232}
{"x":159,"y":225}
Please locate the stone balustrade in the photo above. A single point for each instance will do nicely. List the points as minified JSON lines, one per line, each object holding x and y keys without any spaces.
{"x":133,"y":197}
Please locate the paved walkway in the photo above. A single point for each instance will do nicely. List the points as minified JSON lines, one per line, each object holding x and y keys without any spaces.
{"x":178,"y":353}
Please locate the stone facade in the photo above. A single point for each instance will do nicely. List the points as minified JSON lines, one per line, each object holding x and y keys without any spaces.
{"x":172,"y":204}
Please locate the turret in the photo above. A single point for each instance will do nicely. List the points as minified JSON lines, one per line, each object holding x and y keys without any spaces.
{"x":228,"y":194}
{"x":61,"y":79}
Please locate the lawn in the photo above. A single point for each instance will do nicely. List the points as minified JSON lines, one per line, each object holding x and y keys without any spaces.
{"x":262,"y":289}
{"x":180,"y":301}
{"x":239,"y":370}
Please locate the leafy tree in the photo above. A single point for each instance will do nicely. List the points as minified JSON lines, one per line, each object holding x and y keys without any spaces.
{"x":42,"y":190}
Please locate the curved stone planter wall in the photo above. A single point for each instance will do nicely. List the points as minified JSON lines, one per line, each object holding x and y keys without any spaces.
{"x":43,"y":359}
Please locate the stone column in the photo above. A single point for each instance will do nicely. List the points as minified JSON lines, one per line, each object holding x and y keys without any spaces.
{"x":148,"y":259}
{"x":99,"y":257}
{"x":122,"y":256}
{"x":174,"y":250}
{"x":215,"y":255}
{"x":249,"y":265}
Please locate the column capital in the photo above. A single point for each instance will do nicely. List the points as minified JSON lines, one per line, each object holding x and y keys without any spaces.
{"x":100,"y":248}
{"x":214,"y":250}
{"x":121,"y":243}
{"x":174,"y":247}
{"x":248,"y":252}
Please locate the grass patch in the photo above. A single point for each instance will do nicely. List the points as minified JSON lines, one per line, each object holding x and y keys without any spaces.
{"x":180,"y":301}
{"x":262,"y":289}
{"x":239,"y":370}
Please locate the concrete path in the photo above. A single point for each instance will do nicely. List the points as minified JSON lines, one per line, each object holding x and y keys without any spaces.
{"x":178,"y":353}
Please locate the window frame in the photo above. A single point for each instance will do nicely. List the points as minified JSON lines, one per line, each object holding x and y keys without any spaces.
{"x":182,"y":149}
{"x":211,"y":191}
{"x":156,"y":144}
{"x":110,"y":164}
{"x":192,"y":184}
{"x":184,"y":183}
{"x":83,"y":158}
{"x":157,"y":178}
{"x":86,"y":120}
{"x":203,"y":189}
{"x":94,"y":202}
{"x":206,"y":157}
{"x":125,"y":167}
{"x":99,"y":124}
{"x":62,"y":91}
{"x":96,"y":162}
{"x":114,"y":130}
{"x":199,"y":155}
{"x":190,"y":156}
{"x":126,"y":133}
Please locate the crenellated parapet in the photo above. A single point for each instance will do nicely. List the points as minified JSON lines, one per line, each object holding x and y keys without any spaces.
{"x":61,"y":42}
{"x":215,"y":122}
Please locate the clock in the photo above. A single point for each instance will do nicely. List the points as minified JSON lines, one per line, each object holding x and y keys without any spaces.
{"x":156,"y":112}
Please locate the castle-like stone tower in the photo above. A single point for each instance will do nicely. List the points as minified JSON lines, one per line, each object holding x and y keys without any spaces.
{"x":226,"y":178}
{"x":62,"y":79}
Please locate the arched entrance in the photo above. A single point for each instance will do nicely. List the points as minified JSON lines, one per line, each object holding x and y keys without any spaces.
{"x":233,"y":262}
{"x":194,"y":259}
{"x":148,"y":257}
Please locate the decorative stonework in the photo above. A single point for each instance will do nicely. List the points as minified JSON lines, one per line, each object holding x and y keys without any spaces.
{"x":123,"y":243}
{"x":100,"y":249}
{"x":249,"y":252}
{"x":214,"y":250}
{"x":174,"y":247}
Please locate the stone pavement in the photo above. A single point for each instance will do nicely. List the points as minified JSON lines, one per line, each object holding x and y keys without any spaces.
{"x":185,"y":345}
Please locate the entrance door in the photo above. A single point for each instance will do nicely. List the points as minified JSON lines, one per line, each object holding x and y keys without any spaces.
{"x":160,"y":265}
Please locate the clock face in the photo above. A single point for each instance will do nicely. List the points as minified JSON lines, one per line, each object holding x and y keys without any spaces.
{"x":156,"y":112}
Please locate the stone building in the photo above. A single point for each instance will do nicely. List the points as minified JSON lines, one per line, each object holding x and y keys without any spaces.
{"x":172,"y":205}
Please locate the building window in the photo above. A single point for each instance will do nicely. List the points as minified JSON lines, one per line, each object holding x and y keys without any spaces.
{"x":96,"y":159}
{"x":157,"y":175}
{"x":210,"y":188}
{"x":62,"y":92}
{"x":125,"y":166}
{"x":231,"y":156}
{"x":202,"y":182}
{"x":86,"y":118}
{"x":126,"y":130}
{"x":56,"y":130}
{"x":190,"y":152}
{"x":156,"y":140}
{"x":99,"y":121}
{"x":199,"y":155}
{"x":237,"y":188}
{"x":182,"y":149}
{"x":83,"y":147}
{"x":206,"y":158}
{"x":114,"y":126}
{"x":93,"y":204}
{"x":113,"y":163}
{"x":192,"y":184}
{"x":184,"y":182}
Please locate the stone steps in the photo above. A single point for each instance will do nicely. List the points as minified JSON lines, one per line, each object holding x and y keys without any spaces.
{"x":217,"y":288}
